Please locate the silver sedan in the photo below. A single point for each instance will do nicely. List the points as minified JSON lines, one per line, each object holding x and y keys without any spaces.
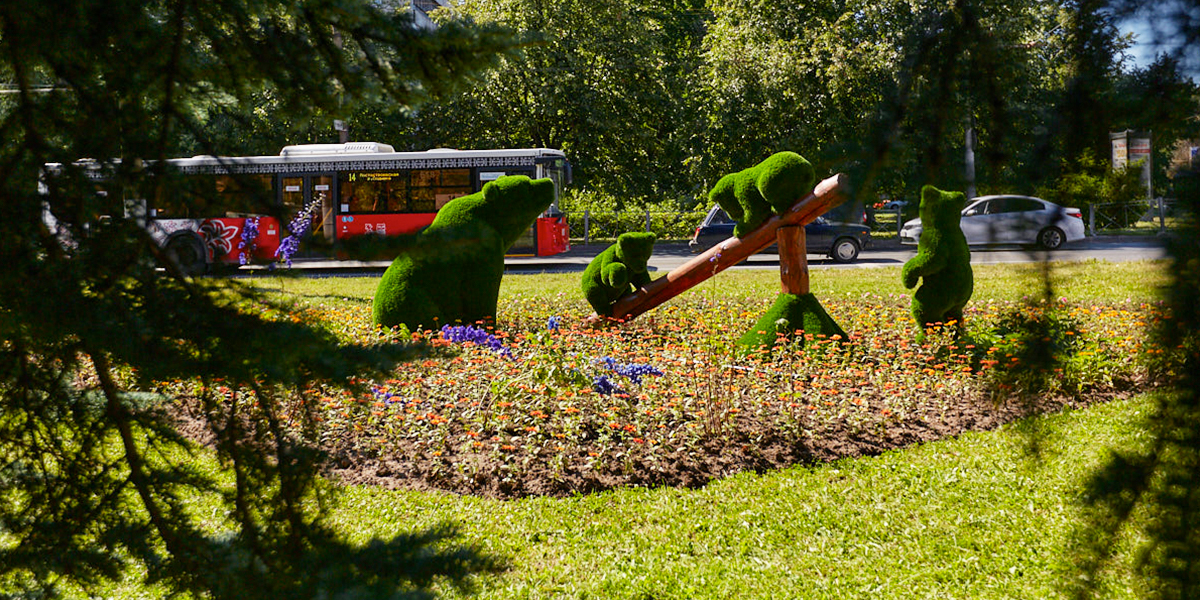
{"x":1012,"y":220}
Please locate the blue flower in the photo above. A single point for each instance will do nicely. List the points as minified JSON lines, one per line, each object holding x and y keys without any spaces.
{"x":299,"y":227}
{"x":249,"y":240}
{"x":386,"y":396}
{"x":553,"y":323}
{"x":633,"y":372}
{"x":477,"y":336}
{"x":604,"y":386}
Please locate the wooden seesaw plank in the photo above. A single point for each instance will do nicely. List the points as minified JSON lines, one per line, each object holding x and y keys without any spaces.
{"x":827,"y":194}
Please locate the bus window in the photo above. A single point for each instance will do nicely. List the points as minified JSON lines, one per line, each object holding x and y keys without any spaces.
{"x":374,"y":192}
{"x":179,"y":197}
{"x":293,"y":194}
{"x":422,"y":200}
{"x":559,"y":171}
{"x":240,"y":195}
{"x":421,"y":191}
{"x":433,"y":188}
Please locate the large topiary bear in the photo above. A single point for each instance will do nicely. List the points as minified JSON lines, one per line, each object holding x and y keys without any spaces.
{"x":943,"y":261}
{"x":618,"y":270}
{"x":453,"y":271}
{"x":749,"y":196}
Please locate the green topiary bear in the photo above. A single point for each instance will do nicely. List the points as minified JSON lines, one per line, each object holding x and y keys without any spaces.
{"x":789,"y":315}
{"x":776,"y":183}
{"x":618,"y":270}
{"x":943,"y":260}
{"x":453,"y":271}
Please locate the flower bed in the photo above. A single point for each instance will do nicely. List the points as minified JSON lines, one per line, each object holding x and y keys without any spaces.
{"x":544,"y":405}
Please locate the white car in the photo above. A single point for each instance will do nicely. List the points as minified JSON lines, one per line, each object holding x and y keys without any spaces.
{"x":1010,"y":219}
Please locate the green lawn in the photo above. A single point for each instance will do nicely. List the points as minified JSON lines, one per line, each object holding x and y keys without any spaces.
{"x":1080,"y":281}
{"x":975,"y":517}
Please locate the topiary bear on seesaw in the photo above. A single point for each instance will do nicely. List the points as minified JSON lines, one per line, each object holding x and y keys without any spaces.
{"x":943,"y":261}
{"x":453,"y":271}
{"x":773,"y":185}
{"x":750,"y":197}
{"x":618,"y":270}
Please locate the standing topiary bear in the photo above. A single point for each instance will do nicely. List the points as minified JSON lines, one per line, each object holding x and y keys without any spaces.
{"x":749,"y":196}
{"x":453,"y":271}
{"x":618,"y":270}
{"x":943,"y":260}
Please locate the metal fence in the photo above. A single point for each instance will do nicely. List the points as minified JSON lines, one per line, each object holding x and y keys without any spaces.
{"x":890,"y":220}
{"x":1151,"y":216}
{"x":1157,"y":215}
{"x":591,"y":226}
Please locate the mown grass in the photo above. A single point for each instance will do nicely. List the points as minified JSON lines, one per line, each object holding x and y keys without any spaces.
{"x":980,"y":516}
{"x":991,"y":515}
{"x":1099,"y":281}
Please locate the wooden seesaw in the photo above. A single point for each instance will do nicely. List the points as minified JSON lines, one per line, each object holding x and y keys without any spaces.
{"x":787,"y":230}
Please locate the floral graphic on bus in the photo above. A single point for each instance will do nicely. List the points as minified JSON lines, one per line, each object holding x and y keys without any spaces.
{"x":218,"y":237}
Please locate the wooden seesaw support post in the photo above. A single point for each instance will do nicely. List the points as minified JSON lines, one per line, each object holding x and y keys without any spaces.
{"x":787,"y":229}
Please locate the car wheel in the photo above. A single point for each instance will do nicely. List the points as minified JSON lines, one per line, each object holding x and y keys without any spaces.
{"x":1051,"y":238}
{"x":844,"y":250}
{"x":187,"y":253}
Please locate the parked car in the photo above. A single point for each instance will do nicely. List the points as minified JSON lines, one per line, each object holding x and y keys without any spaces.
{"x":893,"y":205}
{"x":1008,"y":219}
{"x":839,"y":241}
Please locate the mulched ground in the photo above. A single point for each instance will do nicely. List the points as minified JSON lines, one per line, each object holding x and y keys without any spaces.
{"x":747,"y":446}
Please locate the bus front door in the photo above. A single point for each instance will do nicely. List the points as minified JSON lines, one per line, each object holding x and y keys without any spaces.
{"x":314,"y":193}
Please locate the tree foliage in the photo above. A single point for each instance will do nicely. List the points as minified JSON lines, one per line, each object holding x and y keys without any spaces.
{"x":1090,"y":180}
{"x":603,"y":82}
{"x":95,"y":482}
{"x":658,"y":100}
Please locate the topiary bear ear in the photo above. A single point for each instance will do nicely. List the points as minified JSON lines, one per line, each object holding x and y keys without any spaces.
{"x":493,"y":190}
{"x":930,"y":194}
{"x":935,"y":201}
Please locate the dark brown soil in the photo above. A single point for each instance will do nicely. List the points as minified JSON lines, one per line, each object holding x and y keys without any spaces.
{"x":745,"y":446}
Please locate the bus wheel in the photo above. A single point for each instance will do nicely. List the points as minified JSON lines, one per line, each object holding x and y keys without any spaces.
{"x":187,"y":253}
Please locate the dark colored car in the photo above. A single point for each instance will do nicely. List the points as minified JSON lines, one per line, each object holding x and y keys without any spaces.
{"x":839,"y":241}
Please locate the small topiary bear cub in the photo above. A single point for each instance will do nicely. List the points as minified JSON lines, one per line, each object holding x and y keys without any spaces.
{"x":453,"y":271}
{"x":943,"y":261}
{"x":749,"y":196}
{"x":618,"y":270}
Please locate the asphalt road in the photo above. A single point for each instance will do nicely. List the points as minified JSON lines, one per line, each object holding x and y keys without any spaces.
{"x":668,"y":256}
{"x":886,"y":254}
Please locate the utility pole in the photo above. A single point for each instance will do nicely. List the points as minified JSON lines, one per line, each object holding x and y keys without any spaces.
{"x":969,"y":157}
{"x":338,"y":124}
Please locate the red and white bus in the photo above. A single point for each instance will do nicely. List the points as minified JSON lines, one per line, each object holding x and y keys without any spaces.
{"x":352,"y":189}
